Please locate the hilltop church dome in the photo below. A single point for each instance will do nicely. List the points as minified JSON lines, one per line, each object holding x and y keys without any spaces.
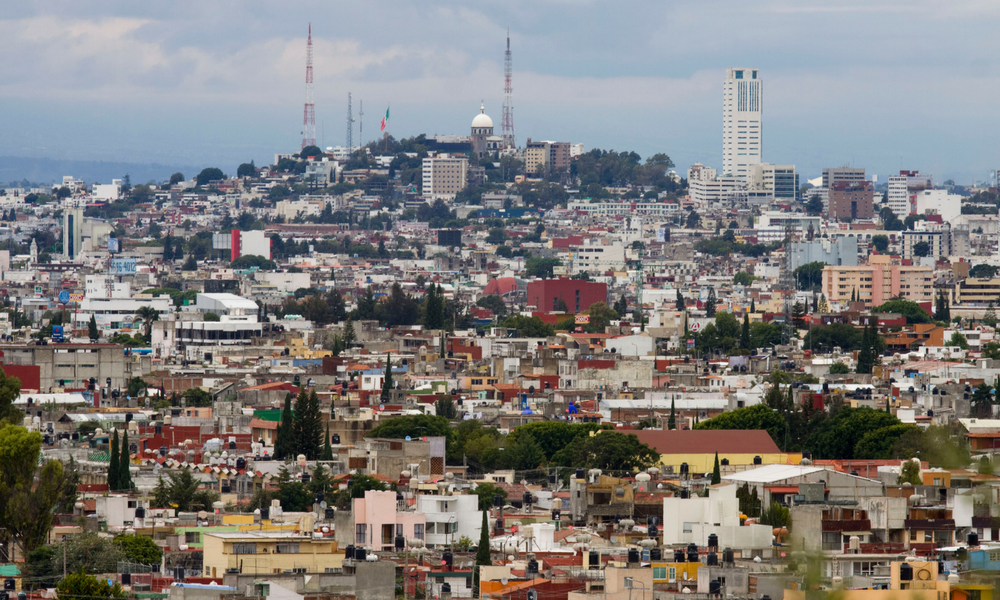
{"x":482,"y":120}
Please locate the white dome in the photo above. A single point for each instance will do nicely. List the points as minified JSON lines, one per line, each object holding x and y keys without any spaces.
{"x":482,"y":119}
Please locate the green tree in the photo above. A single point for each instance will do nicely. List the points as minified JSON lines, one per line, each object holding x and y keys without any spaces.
{"x":208,"y":175}
{"x":957,"y":339}
{"x":483,"y":549}
{"x":716,"y":471}
{"x":528,"y":326}
{"x":745,"y":338}
{"x":327,"y":448}
{"x":494,"y":303}
{"x":601,"y":316}
{"x":486,"y":492}
{"x":672,"y":421}
{"x":10,"y":389}
{"x":197,"y":397}
{"x":909,"y":473}
{"x":307,"y":426}
{"x":28,"y":493}
{"x":246,"y":170}
{"x":92,"y":332}
{"x":114,"y":470}
{"x":680,"y":301}
{"x":839,"y":435}
{"x":80,"y":586}
{"x":743,"y":278}
{"x":921,"y":249}
{"x":815,"y":205}
{"x":434,"y":308}
{"x":942,"y":309}
{"x":176,"y":178}
{"x":866,"y":360}
{"x":387,"y":385}
{"x":139,"y":548}
{"x":181,"y":491}
{"x":124,"y":473}
{"x":710,"y":303}
{"x":990,"y":316}
{"x":445,"y":407}
{"x":496,"y":236}
{"x":542,"y":268}
{"x":608,"y":450}
{"x":190,"y":264}
{"x":983,"y":271}
{"x":758,"y":416}
{"x":839,"y":368}
{"x":880,"y":242}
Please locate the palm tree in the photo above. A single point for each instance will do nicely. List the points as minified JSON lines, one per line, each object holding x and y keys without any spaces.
{"x":148,"y":314}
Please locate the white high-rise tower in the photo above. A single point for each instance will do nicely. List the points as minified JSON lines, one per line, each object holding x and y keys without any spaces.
{"x":741,"y":121}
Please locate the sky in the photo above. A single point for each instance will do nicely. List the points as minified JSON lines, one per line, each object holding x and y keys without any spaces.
{"x":884,"y":85}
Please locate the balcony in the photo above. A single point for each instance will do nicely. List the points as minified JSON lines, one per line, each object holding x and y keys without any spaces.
{"x":846,"y":525}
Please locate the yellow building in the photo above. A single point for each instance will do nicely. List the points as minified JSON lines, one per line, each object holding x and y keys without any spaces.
{"x":266,"y":552}
{"x":698,"y":447}
{"x":918,"y":579}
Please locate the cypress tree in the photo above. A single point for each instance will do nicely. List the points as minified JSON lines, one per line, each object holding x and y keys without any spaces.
{"x":716,"y":471}
{"x":745,"y":333}
{"x":680,"y":301}
{"x":124,"y":474}
{"x":710,"y":303}
{"x":865,"y":358}
{"x":387,"y":381}
{"x":672,"y":421}
{"x":482,"y":552}
{"x":753,"y":306}
{"x":114,"y":473}
{"x":283,"y":440}
{"x":327,"y":448}
{"x":307,"y":426}
{"x":92,"y":332}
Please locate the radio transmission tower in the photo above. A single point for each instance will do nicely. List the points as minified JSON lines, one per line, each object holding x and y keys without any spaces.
{"x":507,"y":122}
{"x":309,"y":114}
{"x":361,"y":122}
{"x":350,"y":124}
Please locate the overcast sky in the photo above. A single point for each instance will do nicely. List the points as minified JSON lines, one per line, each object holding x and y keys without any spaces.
{"x":877,"y":84}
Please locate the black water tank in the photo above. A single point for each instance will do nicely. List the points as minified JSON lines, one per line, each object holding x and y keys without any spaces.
{"x":533,"y":567}
{"x":225,"y":489}
{"x":728,"y":556}
{"x":712,"y":560}
{"x":128,"y":417}
{"x":581,"y":474}
{"x":178,"y":573}
{"x":653,"y":531}
{"x":318,"y":498}
{"x":905,"y":572}
{"x":349,"y":552}
{"x":445,"y":588}
{"x":552,"y":477}
{"x":497,"y":500}
{"x":633,"y":555}
{"x":684,"y":468}
{"x":265,"y":513}
{"x":329,"y":513}
{"x":335,"y":438}
{"x":556,"y":514}
{"x":9,"y":583}
{"x":526,"y":499}
{"x":713,"y":541}
{"x":447,"y":559}
{"x":241,"y":464}
{"x":652,"y":520}
{"x":692,"y":556}
{"x":360,"y":553}
{"x":724,"y":462}
{"x":973,"y":539}
{"x":757,"y":460}
{"x":140,"y":512}
{"x":306,"y":477}
{"x":158,"y":429}
{"x":678,"y":556}
{"x":126,"y":579}
{"x":400,"y":542}
{"x":715,"y":587}
{"x":498,"y":526}
{"x":594,"y":560}
{"x":655,"y":554}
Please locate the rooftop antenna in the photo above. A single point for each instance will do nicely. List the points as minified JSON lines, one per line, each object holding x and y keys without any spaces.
{"x":507,"y":120}
{"x":350,"y":125}
{"x":309,"y":112}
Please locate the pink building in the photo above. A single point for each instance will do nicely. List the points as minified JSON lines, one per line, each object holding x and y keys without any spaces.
{"x":882,"y":279}
{"x":378,"y":520}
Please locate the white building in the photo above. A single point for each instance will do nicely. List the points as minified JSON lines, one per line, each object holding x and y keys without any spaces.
{"x":741,"y":121}
{"x":902,"y":192}
{"x":692,"y":520}
{"x":450,"y":518}
{"x":114,"y":314}
{"x":108,"y":192}
{"x":444,"y":176}
{"x":938,"y":202}
{"x":721,"y":189}
{"x":231,"y":306}
{"x":700,"y":172}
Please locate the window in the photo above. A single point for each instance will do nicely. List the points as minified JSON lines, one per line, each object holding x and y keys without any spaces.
{"x":688,"y":527}
{"x":418,"y":531}
{"x":399,"y":529}
{"x":360,"y":533}
{"x":659,"y":572}
{"x":287,"y":548}
{"x":244,"y":548}
{"x":628,"y":583}
{"x":672,"y":574}
{"x":832,"y":540}
{"x":913,"y":536}
{"x":192,"y":537}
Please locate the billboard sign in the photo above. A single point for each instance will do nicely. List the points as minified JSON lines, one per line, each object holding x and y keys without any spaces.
{"x":63,"y":297}
{"x":661,"y":234}
{"x":57,"y":334}
{"x":114,"y":246}
{"x":77,"y":298}
{"x":123,"y":266}
{"x":581,"y":319}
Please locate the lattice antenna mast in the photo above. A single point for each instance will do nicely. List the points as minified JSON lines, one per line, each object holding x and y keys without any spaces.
{"x":507,"y":122}
{"x":350,"y":125}
{"x":361,"y":122}
{"x":309,"y":113}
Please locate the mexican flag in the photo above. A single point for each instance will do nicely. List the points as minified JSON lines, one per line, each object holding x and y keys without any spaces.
{"x":385,"y":119}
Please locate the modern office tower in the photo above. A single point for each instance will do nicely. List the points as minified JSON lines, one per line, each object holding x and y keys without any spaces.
{"x":742,"y":131}
{"x":72,"y":232}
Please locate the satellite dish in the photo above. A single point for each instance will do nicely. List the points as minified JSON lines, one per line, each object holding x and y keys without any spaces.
{"x":614,"y":539}
{"x":322,"y":504}
{"x":503,"y":581}
{"x":407,"y":438}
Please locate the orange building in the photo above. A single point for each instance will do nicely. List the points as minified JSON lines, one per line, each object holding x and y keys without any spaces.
{"x":882,"y":279}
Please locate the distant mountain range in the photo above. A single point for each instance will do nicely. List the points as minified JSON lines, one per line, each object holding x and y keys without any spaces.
{"x":51,"y":170}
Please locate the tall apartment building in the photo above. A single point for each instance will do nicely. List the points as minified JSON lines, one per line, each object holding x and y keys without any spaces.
{"x":444,"y":175}
{"x":903,"y":189}
{"x":699,"y":172}
{"x":845,"y":173}
{"x":851,"y":200}
{"x":938,"y":242}
{"x":742,"y":131}
{"x":878,"y":281}
{"x":546,"y":157}
{"x":72,"y":232}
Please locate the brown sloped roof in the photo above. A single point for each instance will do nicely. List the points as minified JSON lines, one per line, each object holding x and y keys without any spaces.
{"x":708,"y":441}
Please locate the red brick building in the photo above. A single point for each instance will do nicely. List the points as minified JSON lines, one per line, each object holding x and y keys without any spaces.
{"x":578,"y":294}
{"x":850,"y":200}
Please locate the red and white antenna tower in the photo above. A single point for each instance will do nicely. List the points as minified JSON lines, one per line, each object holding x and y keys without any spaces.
{"x":309,"y":114}
{"x":507,"y":121}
